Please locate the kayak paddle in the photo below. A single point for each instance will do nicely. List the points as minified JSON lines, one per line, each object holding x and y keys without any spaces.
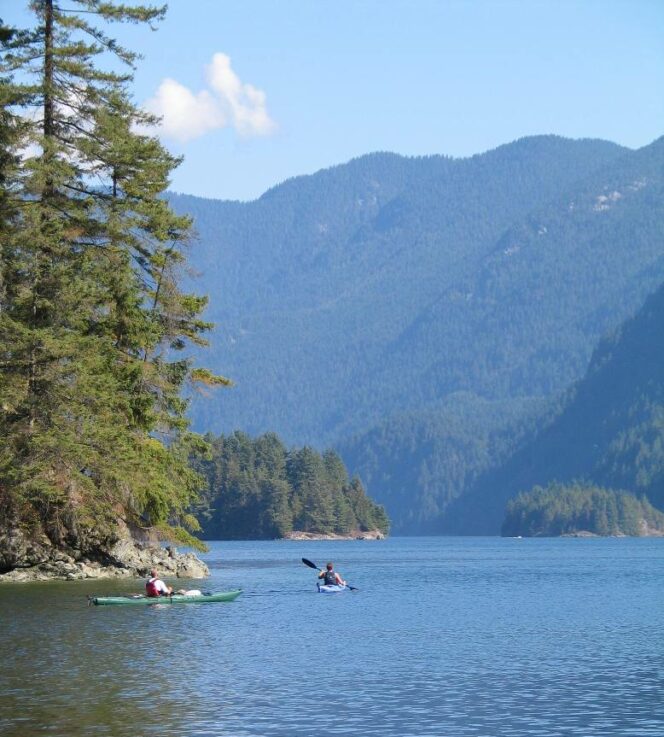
{"x":313,"y":565}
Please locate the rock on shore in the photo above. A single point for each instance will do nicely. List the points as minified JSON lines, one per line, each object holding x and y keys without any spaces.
{"x":357,"y":535}
{"x":24,"y":560}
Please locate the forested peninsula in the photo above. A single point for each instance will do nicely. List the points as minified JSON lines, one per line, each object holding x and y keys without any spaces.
{"x":94,"y":459}
{"x":581,"y":509}
{"x":259,"y":489}
{"x":98,"y":467}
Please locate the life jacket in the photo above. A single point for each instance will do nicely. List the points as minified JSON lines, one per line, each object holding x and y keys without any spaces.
{"x":330,"y":578}
{"x":151,"y":587}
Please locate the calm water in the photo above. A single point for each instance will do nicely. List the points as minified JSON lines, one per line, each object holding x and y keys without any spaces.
{"x":473,"y":637}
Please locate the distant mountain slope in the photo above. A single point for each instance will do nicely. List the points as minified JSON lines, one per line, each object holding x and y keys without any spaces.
{"x":610,"y":431}
{"x":419,"y":462}
{"x":427,"y":289}
{"x":525,"y":322}
{"x":377,"y":287}
{"x":550,"y":287}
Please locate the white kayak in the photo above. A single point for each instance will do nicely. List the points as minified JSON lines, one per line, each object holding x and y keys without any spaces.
{"x":331,"y":588}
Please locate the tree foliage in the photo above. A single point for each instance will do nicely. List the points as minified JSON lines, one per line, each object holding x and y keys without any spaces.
{"x":92,"y":315}
{"x":568,"y":509}
{"x":257,"y":488}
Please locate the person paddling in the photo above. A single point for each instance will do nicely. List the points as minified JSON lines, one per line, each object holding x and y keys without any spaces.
{"x":156,"y":587}
{"x":332,"y":578}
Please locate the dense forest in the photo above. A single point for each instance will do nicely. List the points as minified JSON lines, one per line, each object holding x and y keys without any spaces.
{"x":93,"y":317}
{"x":415,"y":312}
{"x":577,"y":508}
{"x":258,"y":489}
{"x":432,"y":270}
{"x":609,"y":428}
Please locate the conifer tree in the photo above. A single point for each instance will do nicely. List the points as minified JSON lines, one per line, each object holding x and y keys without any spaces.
{"x":91,"y":313}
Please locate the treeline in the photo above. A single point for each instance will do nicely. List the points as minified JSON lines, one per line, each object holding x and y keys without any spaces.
{"x":259,"y":489}
{"x":569,"y":509}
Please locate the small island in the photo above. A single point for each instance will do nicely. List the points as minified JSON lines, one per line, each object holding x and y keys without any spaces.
{"x":581,"y":510}
{"x":259,"y":489}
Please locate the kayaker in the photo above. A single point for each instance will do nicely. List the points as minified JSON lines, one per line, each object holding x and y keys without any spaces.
{"x":156,"y":587}
{"x":332,"y":578}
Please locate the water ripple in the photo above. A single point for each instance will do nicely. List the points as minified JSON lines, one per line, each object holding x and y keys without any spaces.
{"x":473,"y":638}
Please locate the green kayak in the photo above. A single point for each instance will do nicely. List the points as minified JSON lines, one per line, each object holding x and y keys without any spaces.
{"x":175,"y":599}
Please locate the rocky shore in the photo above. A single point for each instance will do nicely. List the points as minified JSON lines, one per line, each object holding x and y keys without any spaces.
{"x":25,"y":560}
{"x":357,"y":535}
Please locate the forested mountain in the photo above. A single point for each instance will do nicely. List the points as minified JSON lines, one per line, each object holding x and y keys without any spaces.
{"x":419,"y":313}
{"x":610,"y":430}
{"x":417,"y":463}
{"x":344,"y":296}
{"x":537,"y":298}
{"x":257,"y":488}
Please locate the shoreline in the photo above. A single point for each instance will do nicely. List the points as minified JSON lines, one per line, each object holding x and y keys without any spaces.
{"x":127,"y":559}
{"x":300,"y":536}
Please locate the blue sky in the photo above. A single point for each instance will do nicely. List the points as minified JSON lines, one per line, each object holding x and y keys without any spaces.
{"x":256,"y":91}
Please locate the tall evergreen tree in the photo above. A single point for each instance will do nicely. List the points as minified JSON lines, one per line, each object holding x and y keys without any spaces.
{"x":91,"y":313}
{"x":313,"y":491}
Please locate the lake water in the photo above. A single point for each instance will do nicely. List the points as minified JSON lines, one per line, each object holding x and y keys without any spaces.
{"x":449,"y":637}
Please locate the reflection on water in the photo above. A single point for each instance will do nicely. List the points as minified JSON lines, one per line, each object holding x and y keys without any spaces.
{"x":476,"y":637}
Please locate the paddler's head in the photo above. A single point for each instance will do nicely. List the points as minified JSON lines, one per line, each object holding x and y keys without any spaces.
{"x":154,"y":573}
{"x":329,"y":566}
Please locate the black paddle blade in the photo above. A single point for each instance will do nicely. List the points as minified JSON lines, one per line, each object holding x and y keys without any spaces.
{"x":310,"y":564}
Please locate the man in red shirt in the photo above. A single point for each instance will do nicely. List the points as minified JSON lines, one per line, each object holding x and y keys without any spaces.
{"x":156,"y":587}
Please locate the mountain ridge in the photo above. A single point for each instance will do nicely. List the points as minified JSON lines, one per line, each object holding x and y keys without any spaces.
{"x":378,"y":262}
{"x":386,"y":285}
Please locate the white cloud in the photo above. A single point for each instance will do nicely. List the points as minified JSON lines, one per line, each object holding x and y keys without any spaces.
{"x":246,"y":105}
{"x":184,"y":115}
{"x":229,"y":103}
